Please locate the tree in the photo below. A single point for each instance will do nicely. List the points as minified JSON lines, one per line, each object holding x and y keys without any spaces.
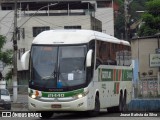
{"x":151,"y":19}
{"x":135,"y":5}
{"x":5,"y":56}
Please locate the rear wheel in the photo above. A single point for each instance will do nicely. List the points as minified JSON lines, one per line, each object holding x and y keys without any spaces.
{"x":125,"y":102}
{"x":121,"y":103}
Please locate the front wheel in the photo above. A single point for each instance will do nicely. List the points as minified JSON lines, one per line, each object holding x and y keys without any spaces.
{"x":96,"y":110}
{"x":46,"y":114}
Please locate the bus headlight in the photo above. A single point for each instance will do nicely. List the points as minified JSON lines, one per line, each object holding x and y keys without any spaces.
{"x":81,"y":95}
{"x":35,"y":94}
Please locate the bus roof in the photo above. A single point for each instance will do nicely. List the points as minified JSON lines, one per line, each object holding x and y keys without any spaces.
{"x":74,"y":37}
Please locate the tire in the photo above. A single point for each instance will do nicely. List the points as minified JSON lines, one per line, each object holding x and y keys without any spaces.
{"x":125,"y":103}
{"x":114,"y":109}
{"x":46,"y":114}
{"x":96,"y":110}
{"x":121,"y":103}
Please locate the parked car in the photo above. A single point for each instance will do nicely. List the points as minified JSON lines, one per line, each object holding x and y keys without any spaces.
{"x":5,"y":99}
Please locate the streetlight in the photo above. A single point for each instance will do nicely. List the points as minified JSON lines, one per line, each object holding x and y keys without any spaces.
{"x":38,"y":11}
{"x":16,"y":47}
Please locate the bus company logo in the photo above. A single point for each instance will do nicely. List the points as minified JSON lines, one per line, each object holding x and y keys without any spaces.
{"x":6,"y":114}
{"x":106,"y":74}
{"x":23,"y":114}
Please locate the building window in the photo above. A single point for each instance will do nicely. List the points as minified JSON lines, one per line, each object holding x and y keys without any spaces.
{"x":21,"y":33}
{"x":37,"y":30}
{"x":72,"y":27}
{"x":104,"y":4}
{"x":21,"y":51}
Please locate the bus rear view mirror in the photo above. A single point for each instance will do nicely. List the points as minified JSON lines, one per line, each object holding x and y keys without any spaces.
{"x":25,"y":60}
{"x":89,"y":58}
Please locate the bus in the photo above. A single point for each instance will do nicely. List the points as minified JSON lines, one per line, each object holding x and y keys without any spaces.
{"x":78,"y":70}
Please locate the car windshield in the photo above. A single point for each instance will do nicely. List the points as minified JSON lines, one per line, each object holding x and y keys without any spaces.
{"x":4,"y":92}
{"x":58,"y":66}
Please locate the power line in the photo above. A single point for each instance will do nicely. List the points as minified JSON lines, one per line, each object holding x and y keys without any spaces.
{"x":5,"y":15}
{"x":62,"y":23}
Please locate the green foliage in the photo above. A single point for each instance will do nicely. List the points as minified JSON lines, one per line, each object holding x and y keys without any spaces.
{"x":135,"y":5}
{"x":2,"y":41}
{"x":153,"y":7}
{"x":145,"y":30}
{"x":120,"y":2}
{"x":8,"y":75}
{"x":151,"y":19}
{"x":119,"y":21}
{"x":5,"y":56}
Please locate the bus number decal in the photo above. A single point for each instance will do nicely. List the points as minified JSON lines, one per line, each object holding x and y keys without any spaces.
{"x":55,"y":95}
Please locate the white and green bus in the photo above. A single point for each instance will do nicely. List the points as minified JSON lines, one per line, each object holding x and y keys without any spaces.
{"x":78,"y":70}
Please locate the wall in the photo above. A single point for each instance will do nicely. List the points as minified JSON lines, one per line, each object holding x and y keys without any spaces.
{"x":141,"y":48}
{"x":146,"y":86}
{"x":106,"y":16}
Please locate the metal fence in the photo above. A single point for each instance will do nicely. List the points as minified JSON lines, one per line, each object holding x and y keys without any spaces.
{"x":147,"y":87}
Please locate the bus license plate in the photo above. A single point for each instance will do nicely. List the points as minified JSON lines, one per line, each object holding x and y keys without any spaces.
{"x":56,"y":106}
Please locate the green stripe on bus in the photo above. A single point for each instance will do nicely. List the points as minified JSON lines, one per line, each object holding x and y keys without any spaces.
{"x":114,"y":74}
{"x":62,"y":94}
{"x":106,"y":74}
{"x":127,"y":75}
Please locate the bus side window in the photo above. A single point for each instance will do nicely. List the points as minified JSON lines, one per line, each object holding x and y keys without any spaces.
{"x":98,"y":62}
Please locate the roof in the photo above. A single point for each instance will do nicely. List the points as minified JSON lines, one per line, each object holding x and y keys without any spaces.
{"x":74,"y":37}
{"x":157,"y":36}
{"x":61,"y":5}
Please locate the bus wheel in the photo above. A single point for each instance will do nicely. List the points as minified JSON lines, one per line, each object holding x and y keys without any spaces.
{"x":121,"y":103}
{"x":46,"y":114}
{"x":96,"y":110}
{"x":125,"y":103}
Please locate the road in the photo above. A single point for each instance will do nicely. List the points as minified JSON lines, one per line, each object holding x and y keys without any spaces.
{"x":83,"y":116}
{"x":21,"y":107}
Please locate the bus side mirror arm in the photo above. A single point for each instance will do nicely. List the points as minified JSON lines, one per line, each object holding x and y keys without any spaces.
{"x":89,"y":58}
{"x":25,"y":60}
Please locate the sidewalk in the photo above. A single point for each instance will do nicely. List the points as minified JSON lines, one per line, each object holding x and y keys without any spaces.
{"x":145,"y":105}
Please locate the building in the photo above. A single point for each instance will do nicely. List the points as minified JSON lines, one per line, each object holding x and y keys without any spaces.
{"x":35,"y":16}
{"x":146,"y":54}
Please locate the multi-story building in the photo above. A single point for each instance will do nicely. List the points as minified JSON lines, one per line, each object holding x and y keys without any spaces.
{"x":35,"y":16}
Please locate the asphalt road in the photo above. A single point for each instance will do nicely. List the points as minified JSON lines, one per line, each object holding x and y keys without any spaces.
{"x":83,"y":116}
{"x":21,"y":107}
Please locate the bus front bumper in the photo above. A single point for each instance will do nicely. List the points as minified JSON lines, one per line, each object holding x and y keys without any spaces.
{"x":74,"y":105}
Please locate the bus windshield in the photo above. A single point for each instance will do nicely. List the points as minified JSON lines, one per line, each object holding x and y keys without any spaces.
{"x":55,"y":67}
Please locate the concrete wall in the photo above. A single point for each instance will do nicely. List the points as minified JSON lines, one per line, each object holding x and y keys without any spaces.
{"x":106,"y":16}
{"x":141,"y":49}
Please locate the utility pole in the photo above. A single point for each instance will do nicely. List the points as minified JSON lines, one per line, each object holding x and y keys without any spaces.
{"x":126,"y":4}
{"x":15,"y":54}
